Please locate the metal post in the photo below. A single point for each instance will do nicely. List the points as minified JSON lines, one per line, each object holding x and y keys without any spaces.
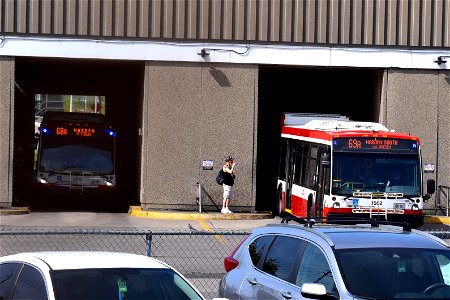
{"x":199,"y":197}
{"x":148,"y":244}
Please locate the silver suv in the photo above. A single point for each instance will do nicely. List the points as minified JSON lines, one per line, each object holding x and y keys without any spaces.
{"x":316,"y":260}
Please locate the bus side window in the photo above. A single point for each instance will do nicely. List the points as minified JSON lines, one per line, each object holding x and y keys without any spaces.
{"x":298,"y":163}
{"x":304,"y":171}
{"x":312,"y":167}
{"x":282,"y":165}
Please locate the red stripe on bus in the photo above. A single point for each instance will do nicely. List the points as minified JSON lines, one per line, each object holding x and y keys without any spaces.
{"x":329,"y":135}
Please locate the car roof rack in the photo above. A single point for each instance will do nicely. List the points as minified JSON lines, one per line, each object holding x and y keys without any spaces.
{"x":309,"y":222}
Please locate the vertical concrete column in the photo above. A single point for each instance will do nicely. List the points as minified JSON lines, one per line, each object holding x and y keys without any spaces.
{"x":443,"y":130}
{"x":417,"y":102}
{"x":194,"y":113}
{"x":6,"y":129}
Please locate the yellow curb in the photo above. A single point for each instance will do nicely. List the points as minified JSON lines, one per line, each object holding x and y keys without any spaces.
{"x":137,"y":211}
{"x":437,"y":220}
{"x":15,"y":211}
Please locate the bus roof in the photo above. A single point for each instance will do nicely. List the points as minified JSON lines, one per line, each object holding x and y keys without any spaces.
{"x":328,"y":122}
{"x":327,"y":127}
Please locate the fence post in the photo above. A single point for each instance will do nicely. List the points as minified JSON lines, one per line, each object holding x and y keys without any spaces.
{"x":148,"y":244}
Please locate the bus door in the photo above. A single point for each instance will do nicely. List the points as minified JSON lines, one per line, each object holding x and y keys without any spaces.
{"x":290,"y":168}
{"x":322,"y":179}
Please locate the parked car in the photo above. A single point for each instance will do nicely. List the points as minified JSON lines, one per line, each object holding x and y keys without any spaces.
{"x":316,"y":260}
{"x":66,"y":275}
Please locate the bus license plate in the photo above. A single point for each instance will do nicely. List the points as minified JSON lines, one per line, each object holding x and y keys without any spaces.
{"x":399,"y":205}
{"x":377,"y":202}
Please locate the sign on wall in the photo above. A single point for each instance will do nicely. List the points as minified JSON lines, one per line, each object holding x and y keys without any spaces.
{"x":207,"y":165}
{"x":428,"y":168}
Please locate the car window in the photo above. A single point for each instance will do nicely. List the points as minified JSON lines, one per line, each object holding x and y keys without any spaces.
{"x":395,"y":272}
{"x":314,"y":268}
{"x":258,"y":247}
{"x":281,"y":257}
{"x":444,"y":265}
{"x":30,"y":285}
{"x":7,"y":277}
{"x":129,"y":283}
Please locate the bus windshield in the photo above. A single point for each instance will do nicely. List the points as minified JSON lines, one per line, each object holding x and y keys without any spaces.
{"x":68,"y":155}
{"x":376,"y":172}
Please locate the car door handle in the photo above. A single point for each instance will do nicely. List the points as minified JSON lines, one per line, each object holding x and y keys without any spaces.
{"x":252,"y":281}
{"x":286,"y":295}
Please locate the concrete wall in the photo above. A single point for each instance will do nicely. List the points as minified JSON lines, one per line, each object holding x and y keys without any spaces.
{"x":195,"y":112}
{"x":418,"y":102}
{"x":6,"y":129}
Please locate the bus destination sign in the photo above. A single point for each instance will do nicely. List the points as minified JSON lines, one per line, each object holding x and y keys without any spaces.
{"x":87,"y":132}
{"x":376,"y":144}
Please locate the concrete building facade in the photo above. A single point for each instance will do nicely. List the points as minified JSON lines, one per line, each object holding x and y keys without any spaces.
{"x":201,"y":83}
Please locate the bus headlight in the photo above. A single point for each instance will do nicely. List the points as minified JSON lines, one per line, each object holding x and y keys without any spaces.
{"x":336,"y":205}
{"x":415,"y":207}
{"x":108,"y":183}
{"x":43,"y":181}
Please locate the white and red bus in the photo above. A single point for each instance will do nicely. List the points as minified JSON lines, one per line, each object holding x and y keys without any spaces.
{"x":336,"y":168}
{"x":76,"y":154}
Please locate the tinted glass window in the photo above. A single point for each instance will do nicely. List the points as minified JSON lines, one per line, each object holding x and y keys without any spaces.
{"x":126,"y":284}
{"x":314,"y":268}
{"x":386,"y":273}
{"x":280,"y":260}
{"x":258,"y":247}
{"x":303,"y":164}
{"x":298,"y":163}
{"x":30,"y":285}
{"x":7,"y":276}
{"x":282,"y":165}
{"x":312,"y":168}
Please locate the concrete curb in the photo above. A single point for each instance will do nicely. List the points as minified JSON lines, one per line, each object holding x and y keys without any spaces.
{"x":437,"y":220}
{"x":14,"y":211}
{"x":137,"y":211}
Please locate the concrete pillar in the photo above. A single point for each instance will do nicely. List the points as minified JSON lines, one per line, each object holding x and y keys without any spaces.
{"x":6,"y":129}
{"x":418,"y":102}
{"x":194,"y":113}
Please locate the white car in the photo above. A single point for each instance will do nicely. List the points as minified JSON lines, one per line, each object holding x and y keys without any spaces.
{"x":67,"y":275}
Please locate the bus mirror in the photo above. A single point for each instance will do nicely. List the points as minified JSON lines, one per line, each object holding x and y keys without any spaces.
{"x":326,"y":159}
{"x":431,"y":186}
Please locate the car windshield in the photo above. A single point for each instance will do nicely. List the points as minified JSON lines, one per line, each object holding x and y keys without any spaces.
{"x":121,"y":284}
{"x":396,"y":273}
{"x":376,"y":172}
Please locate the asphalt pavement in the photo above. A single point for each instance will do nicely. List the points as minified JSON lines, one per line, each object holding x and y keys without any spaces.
{"x":139,"y":219}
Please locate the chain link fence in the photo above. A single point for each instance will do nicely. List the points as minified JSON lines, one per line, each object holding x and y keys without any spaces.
{"x":198,"y":255}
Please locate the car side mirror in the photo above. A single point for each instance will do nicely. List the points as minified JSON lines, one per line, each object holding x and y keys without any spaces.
{"x":326,"y":160}
{"x":315,"y":291}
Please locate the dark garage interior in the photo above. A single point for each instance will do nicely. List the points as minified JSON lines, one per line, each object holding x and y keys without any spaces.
{"x":121,"y":82}
{"x":351,"y":92}
{"x":354,"y":93}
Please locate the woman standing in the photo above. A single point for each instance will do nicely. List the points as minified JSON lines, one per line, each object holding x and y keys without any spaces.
{"x":228,"y":189}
